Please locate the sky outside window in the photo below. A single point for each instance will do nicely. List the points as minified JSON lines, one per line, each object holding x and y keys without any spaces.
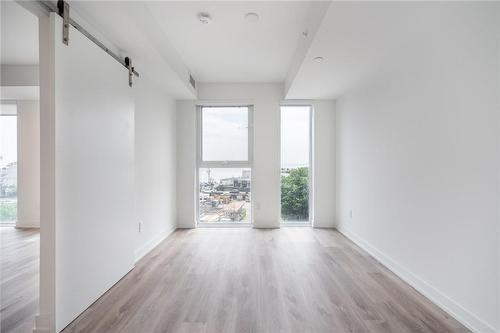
{"x":225,"y":133}
{"x":294,"y":136}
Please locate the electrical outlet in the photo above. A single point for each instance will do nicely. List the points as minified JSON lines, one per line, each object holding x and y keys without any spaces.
{"x":140,"y":226}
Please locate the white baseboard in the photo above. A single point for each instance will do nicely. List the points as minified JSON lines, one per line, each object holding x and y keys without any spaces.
{"x":28,"y":223}
{"x":27,"y":226}
{"x":322,"y":224}
{"x":42,"y":324}
{"x":152,"y":243}
{"x":467,"y":318}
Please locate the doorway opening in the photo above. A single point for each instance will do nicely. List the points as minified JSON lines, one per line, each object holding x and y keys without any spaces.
{"x":19,"y":167}
{"x":296,"y":164}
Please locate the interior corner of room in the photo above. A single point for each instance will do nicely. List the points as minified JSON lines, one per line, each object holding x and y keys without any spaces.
{"x":263,"y":166}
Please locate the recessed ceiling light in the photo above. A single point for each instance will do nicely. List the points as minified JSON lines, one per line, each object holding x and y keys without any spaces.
{"x":318,"y":59}
{"x":252,"y":17}
{"x":205,"y":18}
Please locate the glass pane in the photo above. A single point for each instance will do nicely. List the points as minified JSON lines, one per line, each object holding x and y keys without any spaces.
{"x":8,"y":164}
{"x":225,"y":133}
{"x":295,"y":127}
{"x":225,"y":195}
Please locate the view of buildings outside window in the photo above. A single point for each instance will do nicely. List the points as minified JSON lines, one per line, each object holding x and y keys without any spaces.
{"x":225,"y":195}
{"x":295,"y":143}
{"x":8,"y":163}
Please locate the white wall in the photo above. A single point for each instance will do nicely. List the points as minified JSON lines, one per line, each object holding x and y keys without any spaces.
{"x":418,"y":160}
{"x":266,"y":98}
{"x":324,"y":163}
{"x":28,"y":164}
{"x":186,"y":164}
{"x":155,"y":165}
{"x":498,"y":184}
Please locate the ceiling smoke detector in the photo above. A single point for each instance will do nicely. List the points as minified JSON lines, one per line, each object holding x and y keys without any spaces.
{"x":205,"y":18}
{"x":318,"y":59}
{"x":252,"y":17}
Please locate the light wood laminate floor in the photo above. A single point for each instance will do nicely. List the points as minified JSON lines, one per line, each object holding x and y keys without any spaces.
{"x":249,"y":280}
{"x":19,"y":264}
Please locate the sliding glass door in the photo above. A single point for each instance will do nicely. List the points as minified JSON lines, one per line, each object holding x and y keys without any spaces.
{"x":296,"y":164}
{"x":224,"y":165}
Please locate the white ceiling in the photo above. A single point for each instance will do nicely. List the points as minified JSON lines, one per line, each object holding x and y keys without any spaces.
{"x":19,"y":35}
{"x":353,"y":39}
{"x":362,"y":41}
{"x":166,"y":40}
{"x":230,"y":49}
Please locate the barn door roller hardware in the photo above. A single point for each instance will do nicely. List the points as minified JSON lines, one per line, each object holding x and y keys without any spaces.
{"x":128,"y":64}
{"x":63,"y":9}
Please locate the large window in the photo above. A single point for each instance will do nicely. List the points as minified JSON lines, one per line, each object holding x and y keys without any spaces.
{"x":224,"y":164}
{"x":8,"y":163}
{"x":295,"y":163}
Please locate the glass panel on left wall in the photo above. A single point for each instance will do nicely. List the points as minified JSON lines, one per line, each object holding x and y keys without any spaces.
{"x":8,"y":164}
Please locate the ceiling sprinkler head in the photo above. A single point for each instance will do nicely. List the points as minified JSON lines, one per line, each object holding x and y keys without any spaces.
{"x":252,"y":17}
{"x":204,"y":18}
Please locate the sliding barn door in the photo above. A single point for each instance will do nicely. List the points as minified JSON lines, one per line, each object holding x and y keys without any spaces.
{"x":94,"y":173}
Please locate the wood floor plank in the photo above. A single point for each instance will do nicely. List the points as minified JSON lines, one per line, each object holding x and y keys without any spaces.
{"x":19,"y":267}
{"x":250,"y":280}
{"x":240,"y":280}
